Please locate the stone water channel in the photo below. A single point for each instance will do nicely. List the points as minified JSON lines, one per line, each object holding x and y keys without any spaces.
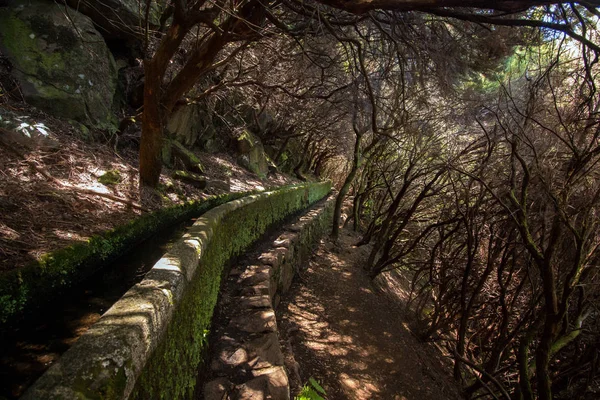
{"x":247,"y":360}
{"x":28,"y":351}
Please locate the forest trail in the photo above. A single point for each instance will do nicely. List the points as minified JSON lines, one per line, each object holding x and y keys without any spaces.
{"x":353,"y":338}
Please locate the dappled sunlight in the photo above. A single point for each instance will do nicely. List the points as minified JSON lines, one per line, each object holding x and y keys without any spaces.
{"x":362,"y":389}
{"x":239,"y":179}
{"x":91,"y":185}
{"x":394,"y":285}
{"x":66,"y":235}
{"x":351,"y":338}
{"x":48,"y":195}
{"x":8,"y":233}
{"x":172,"y":264}
{"x":238,"y":185}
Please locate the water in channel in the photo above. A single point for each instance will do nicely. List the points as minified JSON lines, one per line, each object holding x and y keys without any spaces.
{"x":31,"y":349}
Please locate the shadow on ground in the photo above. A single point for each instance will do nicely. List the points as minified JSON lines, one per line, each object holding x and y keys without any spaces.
{"x":353,"y":338}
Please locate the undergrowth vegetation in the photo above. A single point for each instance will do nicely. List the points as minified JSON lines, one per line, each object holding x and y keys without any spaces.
{"x":311,"y":391}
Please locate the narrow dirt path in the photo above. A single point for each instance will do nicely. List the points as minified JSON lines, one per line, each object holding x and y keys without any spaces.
{"x":354,"y":339}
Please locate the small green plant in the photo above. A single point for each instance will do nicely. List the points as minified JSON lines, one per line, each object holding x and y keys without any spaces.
{"x":311,"y":391}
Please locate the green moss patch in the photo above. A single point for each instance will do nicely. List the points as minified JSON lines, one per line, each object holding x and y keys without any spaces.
{"x":150,"y":343}
{"x":60,"y":60}
{"x":23,"y":291}
{"x":111,"y":177}
{"x":172,"y":370}
{"x":189,"y":159}
{"x":195,"y":180}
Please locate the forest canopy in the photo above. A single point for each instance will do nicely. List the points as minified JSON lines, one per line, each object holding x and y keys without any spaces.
{"x":466,"y":135}
{"x":471,"y":131}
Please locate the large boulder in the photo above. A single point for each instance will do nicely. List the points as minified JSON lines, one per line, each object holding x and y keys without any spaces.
{"x":60,"y":61}
{"x":192,"y":125}
{"x":252,"y":154}
{"x":120,"y":18}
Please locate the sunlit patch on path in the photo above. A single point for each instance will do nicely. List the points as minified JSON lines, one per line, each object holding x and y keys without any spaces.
{"x":352,"y":338}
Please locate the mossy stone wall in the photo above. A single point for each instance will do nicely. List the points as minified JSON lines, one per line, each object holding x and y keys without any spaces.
{"x":150,"y":343}
{"x":24,"y":291}
{"x":264,"y":279}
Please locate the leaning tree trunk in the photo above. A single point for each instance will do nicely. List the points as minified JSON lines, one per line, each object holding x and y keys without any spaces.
{"x":152,"y":120}
{"x":543,"y":357}
{"x":337,"y":211}
{"x":281,"y":150}
{"x":157,"y":104}
{"x":524,"y":389}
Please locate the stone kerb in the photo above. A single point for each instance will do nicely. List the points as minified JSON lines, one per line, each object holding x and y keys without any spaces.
{"x":106,"y":361}
{"x":247,"y":359}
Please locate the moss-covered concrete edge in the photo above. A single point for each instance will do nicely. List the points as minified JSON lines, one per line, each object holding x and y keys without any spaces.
{"x":150,"y":343}
{"x":25,"y":290}
{"x":264,"y":279}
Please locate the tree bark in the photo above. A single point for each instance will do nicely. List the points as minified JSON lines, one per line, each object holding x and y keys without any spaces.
{"x":152,"y":126}
{"x":199,"y":63}
{"x":337,"y":211}
{"x":281,"y":150}
{"x":543,"y":358}
{"x":152,"y":119}
{"x":525,"y":391}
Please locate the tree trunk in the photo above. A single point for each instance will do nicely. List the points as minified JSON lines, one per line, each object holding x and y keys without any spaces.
{"x":543,"y":357}
{"x":524,"y":390}
{"x":152,"y":128}
{"x":337,"y":211}
{"x":356,"y":211}
{"x":152,"y":120}
{"x":300,"y":166}
{"x":380,"y":238}
{"x":371,"y":231}
{"x":298,"y":170}
{"x":200,"y":62}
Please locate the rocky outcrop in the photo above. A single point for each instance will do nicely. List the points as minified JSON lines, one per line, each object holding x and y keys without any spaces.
{"x":195,"y":180}
{"x":248,"y":362}
{"x":252,"y":154}
{"x":187,"y":157}
{"x":119,"y":18}
{"x":26,"y":132}
{"x":60,"y":60}
{"x":193,"y":125}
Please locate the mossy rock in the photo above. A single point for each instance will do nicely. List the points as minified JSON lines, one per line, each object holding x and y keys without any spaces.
{"x":185,"y":124}
{"x":120,"y":19}
{"x":191,"y":178}
{"x":252,"y":154}
{"x":193,"y":125}
{"x":111,"y":177}
{"x":189,"y":159}
{"x":60,"y":61}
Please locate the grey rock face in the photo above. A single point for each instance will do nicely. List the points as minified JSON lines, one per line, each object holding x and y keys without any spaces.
{"x":252,"y":154}
{"x":119,"y":18}
{"x":60,"y":61}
